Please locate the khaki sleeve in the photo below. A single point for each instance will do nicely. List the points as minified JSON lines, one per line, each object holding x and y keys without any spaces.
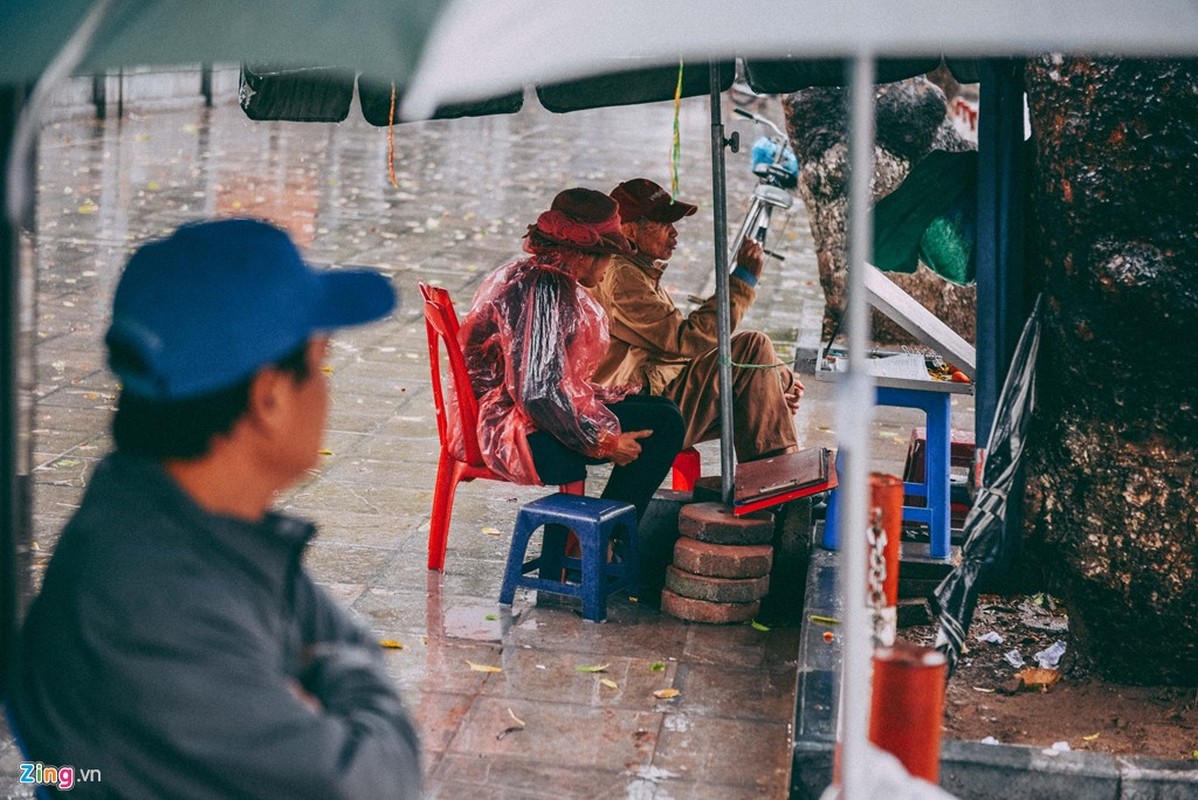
{"x":643,"y":318}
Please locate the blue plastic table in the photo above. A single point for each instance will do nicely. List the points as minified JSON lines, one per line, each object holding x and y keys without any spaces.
{"x":936,"y":403}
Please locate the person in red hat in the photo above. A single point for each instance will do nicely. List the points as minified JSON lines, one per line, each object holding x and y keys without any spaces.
{"x":532,"y":340}
{"x":668,"y":354}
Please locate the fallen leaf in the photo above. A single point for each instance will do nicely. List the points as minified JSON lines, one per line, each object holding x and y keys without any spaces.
{"x":483,"y":667}
{"x":1091,"y":737}
{"x":1037,"y":678}
{"x":758,"y":626}
{"x":490,"y":531}
{"x":390,"y":644}
{"x":325,"y":452}
{"x":491,"y":617}
{"x":666,"y":694}
{"x":591,"y":668}
{"x":818,"y":620}
{"x":609,"y":683}
{"x":657,"y":666}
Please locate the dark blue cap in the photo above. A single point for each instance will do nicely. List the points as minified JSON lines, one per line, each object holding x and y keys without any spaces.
{"x":214,"y":302}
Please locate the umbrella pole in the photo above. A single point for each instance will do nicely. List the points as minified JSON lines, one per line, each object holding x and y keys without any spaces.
{"x":719,"y":196}
{"x":857,"y":400}
{"x":14,"y":532}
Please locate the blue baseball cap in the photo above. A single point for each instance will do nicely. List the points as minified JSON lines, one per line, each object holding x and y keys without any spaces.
{"x":214,"y":302}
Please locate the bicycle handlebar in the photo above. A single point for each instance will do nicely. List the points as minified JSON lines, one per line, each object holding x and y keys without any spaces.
{"x":740,"y":112}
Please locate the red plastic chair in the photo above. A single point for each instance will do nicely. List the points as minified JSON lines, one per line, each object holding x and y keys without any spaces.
{"x":441,"y":322}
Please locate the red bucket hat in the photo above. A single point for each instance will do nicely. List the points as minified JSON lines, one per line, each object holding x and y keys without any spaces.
{"x":641,"y":198}
{"x":582,"y":219}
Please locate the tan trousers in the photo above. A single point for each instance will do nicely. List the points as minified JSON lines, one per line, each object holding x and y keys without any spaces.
{"x":762,"y":421}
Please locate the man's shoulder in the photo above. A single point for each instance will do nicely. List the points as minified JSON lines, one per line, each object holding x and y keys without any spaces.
{"x":627,"y":274}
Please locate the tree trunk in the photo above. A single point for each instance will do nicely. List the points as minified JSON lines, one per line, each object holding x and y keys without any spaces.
{"x":911,"y":121}
{"x":1112,"y":490}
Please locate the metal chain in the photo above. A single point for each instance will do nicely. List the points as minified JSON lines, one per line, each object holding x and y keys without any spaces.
{"x":876,"y":577}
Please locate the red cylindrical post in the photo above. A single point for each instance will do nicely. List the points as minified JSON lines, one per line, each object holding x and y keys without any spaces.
{"x":907,"y":706}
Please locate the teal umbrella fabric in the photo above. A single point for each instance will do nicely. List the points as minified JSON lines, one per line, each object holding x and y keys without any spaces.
{"x":380,"y":37}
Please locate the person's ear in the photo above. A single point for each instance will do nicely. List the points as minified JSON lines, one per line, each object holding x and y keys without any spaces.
{"x":267,"y":401}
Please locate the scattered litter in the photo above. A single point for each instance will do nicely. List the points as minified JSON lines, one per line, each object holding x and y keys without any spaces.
{"x":1014,"y":658}
{"x":1033,"y":678}
{"x":983,"y":690}
{"x":993,"y":637}
{"x":1061,"y":747}
{"x":519,"y":726}
{"x":490,"y":531}
{"x":541,"y":666}
{"x":609,"y":683}
{"x":1049,"y":657}
{"x":1092,"y":737}
{"x":829,"y":637}
{"x":483,"y":667}
{"x":666,"y":694}
{"x":989,"y":740}
{"x":592,"y":668}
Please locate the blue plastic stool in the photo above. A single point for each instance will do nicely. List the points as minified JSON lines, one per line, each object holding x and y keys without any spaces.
{"x":935,"y":488}
{"x":595,"y":523}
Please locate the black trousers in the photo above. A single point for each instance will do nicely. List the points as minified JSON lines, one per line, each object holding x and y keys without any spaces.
{"x":636,"y":482}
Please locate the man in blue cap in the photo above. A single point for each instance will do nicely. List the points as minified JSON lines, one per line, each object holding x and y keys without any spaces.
{"x":178,"y":647}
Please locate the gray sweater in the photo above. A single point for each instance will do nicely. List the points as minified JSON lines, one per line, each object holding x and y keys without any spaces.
{"x":166,"y":650}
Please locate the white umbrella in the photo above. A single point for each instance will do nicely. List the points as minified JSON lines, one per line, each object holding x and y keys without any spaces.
{"x":480,"y":48}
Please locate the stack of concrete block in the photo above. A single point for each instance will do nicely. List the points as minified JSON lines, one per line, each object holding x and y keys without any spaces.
{"x":721,"y":566}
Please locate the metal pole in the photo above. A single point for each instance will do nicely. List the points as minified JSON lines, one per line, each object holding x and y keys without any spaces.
{"x":857,"y":396}
{"x":719,"y":193}
{"x":20,"y":121}
{"x":14,"y":532}
{"x":1001,"y":301}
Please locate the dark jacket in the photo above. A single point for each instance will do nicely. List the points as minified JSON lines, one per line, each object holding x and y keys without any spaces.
{"x":167,"y":646}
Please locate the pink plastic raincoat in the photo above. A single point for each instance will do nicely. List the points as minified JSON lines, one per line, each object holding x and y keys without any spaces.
{"x":532,"y":341}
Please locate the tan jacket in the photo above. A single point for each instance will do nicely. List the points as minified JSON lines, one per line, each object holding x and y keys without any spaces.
{"x":651,"y":341}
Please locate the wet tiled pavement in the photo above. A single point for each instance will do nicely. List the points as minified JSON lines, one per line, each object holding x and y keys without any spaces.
{"x":467,"y":189}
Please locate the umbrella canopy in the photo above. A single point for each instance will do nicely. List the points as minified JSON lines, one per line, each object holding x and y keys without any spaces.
{"x":481,"y":48}
{"x":382,"y":37}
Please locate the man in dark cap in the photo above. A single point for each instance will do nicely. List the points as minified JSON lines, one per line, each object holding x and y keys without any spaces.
{"x":666,"y":353}
{"x":178,"y":647}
